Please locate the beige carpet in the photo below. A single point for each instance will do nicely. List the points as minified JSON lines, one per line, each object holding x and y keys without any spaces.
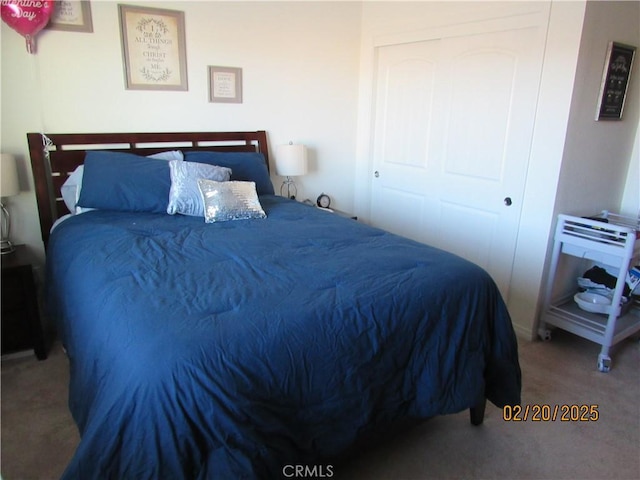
{"x":38,"y":435}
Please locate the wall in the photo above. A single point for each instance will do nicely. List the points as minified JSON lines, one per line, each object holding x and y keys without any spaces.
{"x":597,"y":154}
{"x":599,"y":165}
{"x":300,"y":71}
{"x":631,"y":199}
{"x":600,"y":161}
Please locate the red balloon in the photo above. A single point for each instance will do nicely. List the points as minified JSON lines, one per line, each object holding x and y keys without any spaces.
{"x":27,"y":17}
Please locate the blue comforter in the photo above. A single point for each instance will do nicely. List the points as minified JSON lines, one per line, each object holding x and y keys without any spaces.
{"x":230,"y":350}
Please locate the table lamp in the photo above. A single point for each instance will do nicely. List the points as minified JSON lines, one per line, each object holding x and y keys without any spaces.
{"x":8,"y":187}
{"x":291,"y":161}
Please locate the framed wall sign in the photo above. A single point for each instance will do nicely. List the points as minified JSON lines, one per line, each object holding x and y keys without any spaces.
{"x":225,"y":85}
{"x":72,"y":16}
{"x":153,"y":48}
{"x":615,"y":80}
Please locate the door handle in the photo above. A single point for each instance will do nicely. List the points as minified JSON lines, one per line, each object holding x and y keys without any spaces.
{"x":507,"y":201}
{"x":376,"y":174}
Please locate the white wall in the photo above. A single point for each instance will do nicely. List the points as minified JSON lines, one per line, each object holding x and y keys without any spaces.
{"x":599,"y":167}
{"x":631,"y":198}
{"x":300,"y":74}
{"x":597,"y":154}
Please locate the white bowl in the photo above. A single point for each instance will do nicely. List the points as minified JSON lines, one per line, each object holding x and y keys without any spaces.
{"x":592,"y":302}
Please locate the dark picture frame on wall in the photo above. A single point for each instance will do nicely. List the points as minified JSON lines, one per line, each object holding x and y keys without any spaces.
{"x":71,"y":16}
{"x":615,"y":81}
{"x":153,"y":48}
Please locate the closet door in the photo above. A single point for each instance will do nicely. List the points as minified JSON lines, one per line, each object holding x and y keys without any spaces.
{"x":453,"y":122}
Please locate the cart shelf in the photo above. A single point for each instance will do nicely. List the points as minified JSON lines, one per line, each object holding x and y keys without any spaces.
{"x":609,"y":239}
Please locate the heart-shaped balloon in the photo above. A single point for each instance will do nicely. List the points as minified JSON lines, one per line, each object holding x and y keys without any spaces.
{"x":27,"y":17}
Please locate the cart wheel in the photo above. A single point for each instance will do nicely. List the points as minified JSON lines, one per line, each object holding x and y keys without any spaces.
{"x":604,"y":363}
{"x":544,"y":334}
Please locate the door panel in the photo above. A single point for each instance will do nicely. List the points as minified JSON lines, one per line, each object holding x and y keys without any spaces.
{"x":482,"y":82}
{"x":471,"y":231}
{"x":405,"y":96}
{"x":400,"y":210}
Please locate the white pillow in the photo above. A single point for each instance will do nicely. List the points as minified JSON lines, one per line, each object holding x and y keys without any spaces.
{"x":70,"y":189}
{"x":184,"y":196}
{"x":168,"y":156}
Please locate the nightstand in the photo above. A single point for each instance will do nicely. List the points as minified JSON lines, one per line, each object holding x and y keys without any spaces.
{"x":21,"y":322}
{"x":345,"y":214}
{"x":339,"y":213}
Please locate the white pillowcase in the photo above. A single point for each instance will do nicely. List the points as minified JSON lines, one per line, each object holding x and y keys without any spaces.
{"x":184,"y":196}
{"x":71,"y":188}
{"x":168,"y":156}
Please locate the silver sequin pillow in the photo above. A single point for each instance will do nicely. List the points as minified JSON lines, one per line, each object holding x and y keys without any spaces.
{"x":184,"y":195}
{"x":229,"y":201}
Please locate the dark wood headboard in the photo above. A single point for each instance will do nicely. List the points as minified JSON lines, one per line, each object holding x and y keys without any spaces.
{"x":54,"y":156}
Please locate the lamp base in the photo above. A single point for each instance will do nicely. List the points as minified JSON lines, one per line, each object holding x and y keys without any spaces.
{"x":5,"y":226}
{"x":6,"y":247}
{"x":292,"y":191}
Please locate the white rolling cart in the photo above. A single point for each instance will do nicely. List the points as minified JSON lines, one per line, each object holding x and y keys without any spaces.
{"x":612,"y":241}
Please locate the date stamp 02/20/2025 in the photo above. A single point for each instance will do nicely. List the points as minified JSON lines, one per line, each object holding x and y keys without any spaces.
{"x":550,"y":413}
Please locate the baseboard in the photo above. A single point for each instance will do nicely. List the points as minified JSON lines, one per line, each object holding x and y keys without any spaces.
{"x":524,"y":333}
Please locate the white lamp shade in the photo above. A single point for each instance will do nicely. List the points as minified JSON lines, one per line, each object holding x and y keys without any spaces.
{"x":9,"y":179}
{"x":291,"y":160}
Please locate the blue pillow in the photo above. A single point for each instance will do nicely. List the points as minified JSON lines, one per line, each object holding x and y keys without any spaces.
{"x":245,"y":167}
{"x":124,"y":182}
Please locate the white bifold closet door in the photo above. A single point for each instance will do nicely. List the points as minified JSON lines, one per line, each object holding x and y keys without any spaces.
{"x":453,"y":122}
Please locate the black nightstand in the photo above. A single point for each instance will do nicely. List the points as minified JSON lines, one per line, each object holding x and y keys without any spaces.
{"x":21,"y":322}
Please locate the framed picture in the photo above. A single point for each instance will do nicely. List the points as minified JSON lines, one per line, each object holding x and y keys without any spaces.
{"x":225,"y":85}
{"x":153,"y":48}
{"x":615,"y":80}
{"x":71,"y":16}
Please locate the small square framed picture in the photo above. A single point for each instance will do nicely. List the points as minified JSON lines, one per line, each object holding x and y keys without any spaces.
{"x":225,"y":84}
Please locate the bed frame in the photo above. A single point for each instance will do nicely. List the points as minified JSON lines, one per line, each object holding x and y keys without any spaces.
{"x":55,"y":156}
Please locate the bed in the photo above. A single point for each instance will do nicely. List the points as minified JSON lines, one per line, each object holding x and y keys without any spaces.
{"x":241,"y":348}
